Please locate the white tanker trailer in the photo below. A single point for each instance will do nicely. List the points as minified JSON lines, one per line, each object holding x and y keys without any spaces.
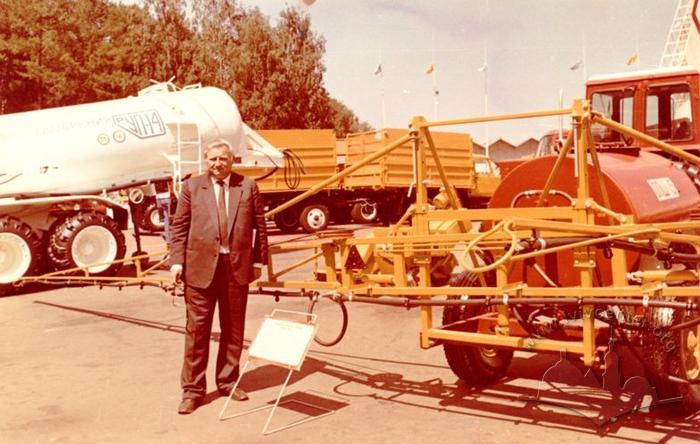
{"x":57,"y":165}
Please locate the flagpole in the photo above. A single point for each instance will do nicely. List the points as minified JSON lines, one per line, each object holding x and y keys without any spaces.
{"x":383,"y":104}
{"x":561,"y":117}
{"x":484,"y":70}
{"x":435,"y":91}
{"x":381,"y":73}
{"x":583,"y":55}
{"x":486,"y":87}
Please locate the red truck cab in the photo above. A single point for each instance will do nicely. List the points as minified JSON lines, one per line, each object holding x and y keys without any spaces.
{"x":662,"y":103}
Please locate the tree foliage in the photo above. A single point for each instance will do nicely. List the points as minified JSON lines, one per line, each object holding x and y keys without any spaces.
{"x":66,"y":52}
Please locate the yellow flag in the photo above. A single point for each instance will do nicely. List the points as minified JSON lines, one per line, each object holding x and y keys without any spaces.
{"x":633,"y":59}
{"x":430,"y":69}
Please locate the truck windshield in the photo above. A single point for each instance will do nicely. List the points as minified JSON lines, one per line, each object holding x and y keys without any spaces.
{"x":668,"y":113}
{"x":617,"y":105}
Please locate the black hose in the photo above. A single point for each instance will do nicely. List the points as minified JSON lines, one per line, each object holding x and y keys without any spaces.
{"x":343,"y":327}
{"x":293,"y":169}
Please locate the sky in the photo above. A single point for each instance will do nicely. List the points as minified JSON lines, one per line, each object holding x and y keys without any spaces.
{"x":528,"y":47}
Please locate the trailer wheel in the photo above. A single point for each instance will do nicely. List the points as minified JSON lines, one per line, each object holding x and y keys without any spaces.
{"x":85,"y":239}
{"x":475,"y":365}
{"x":655,"y":341}
{"x":20,"y":252}
{"x":689,"y":365}
{"x":314,"y":218}
{"x":364,"y":212}
{"x":151,"y":218}
{"x":288,"y":220}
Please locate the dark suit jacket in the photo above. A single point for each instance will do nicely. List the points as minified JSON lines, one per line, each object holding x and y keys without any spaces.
{"x":195,"y":230}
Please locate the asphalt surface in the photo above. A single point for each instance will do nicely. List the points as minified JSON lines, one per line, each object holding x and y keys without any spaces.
{"x":84,"y":365}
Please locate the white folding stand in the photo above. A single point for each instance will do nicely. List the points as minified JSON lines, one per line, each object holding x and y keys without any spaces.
{"x":285,"y":343}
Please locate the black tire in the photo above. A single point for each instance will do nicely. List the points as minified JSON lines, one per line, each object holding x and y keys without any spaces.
{"x":314,"y":217}
{"x":20,"y":253}
{"x":288,"y":220}
{"x":364,"y":212}
{"x":475,"y":365}
{"x":151,"y":220}
{"x":655,"y":354}
{"x":688,"y":367}
{"x":104,"y":242}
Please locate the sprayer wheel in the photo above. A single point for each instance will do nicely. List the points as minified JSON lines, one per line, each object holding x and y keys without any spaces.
{"x":475,"y":365}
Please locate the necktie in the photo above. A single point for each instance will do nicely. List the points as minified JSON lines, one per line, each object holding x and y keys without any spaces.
{"x":223,"y":218}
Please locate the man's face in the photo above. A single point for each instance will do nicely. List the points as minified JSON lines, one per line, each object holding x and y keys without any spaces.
{"x":219,"y":161}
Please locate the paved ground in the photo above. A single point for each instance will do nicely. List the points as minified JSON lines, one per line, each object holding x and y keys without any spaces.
{"x":88,"y":365}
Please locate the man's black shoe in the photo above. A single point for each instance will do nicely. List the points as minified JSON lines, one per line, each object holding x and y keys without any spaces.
{"x":238,"y":394}
{"x":187,"y":406}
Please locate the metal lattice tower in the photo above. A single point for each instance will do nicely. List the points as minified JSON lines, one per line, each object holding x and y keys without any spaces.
{"x":677,"y":41}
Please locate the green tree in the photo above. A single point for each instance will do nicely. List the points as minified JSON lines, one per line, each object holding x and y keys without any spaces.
{"x":66,"y":52}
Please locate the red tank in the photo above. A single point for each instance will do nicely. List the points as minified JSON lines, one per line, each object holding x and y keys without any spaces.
{"x":647,"y":186}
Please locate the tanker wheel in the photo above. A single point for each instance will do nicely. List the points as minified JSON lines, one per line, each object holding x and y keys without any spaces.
{"x":475,"y":365}
{"x":20,"y":252}
{"x":288,"y":220}
{"x":151,"y":218}
{"x":85,"y":239}
{"x":314,"y":217}
{"x":364,"y":212}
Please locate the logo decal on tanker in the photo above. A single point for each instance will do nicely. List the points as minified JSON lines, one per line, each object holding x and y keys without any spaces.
{"x":142,"y":124}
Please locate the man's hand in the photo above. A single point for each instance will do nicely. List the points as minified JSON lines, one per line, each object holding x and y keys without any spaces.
{"x":176,"y":273}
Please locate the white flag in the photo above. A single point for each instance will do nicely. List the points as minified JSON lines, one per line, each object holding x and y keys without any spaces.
{"x":576,"y":65}
{"x":378,"y":70}
{"x":482,"y":68}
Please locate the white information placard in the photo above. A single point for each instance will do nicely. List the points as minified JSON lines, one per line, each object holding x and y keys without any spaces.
{"x":282,"y":342}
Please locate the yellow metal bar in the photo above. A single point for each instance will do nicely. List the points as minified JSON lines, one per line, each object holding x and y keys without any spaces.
{"x":627,"y":292}
{"x":163,"y":282}
{"x":546,"y":113}
{"x":296,"y":265}
{"x":612,"y":216}
{"x":409,"y":213}
{"x":561,"y":213}
{"x":379,"y":278}
{"x":584,"y":259}
{"x":328,"y":252}
{"x":503,"y":321}
{"x":533,"y":344}
{"x":295,"y":246}
{"x":590,"y":142}
{"x":670,"y":149}
{"x":420,"y":224}
{"x":582,"y":244}
{"x":336,"y":177}
{"x":451,"y":194}
{"x":298,"y":285}
{"x":665,"y":275}
{"x":86,"y":271}
{"x":581,"y":228}
{"x":555,"y":170}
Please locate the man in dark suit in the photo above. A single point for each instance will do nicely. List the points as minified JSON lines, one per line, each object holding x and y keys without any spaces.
{"x":218,"y":244}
